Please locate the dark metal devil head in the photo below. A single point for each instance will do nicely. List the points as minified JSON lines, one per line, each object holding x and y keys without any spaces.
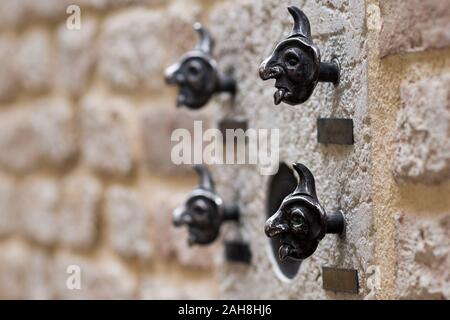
{"x":196,"y":74}
{"x":203,"y":212}
{"x":301,"y":222}
{"x":295,"y":64}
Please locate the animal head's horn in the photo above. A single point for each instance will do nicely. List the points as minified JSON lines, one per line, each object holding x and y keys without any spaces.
{"x":205,"y":181}
{"x":206,"y":43}
{"x":306,"y":183}
{"x":301,"y":23}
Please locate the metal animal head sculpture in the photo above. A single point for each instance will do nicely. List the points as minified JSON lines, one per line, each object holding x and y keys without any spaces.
{"x":295,"y":64}
{"x":301,"y":221}
{"x":203,"y":212}
{"x":197,"y":75}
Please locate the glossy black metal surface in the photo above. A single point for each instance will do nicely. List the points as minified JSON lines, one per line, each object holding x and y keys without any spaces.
{"x":301,"y":222}
{"x":296,"y":65}
{"x":196,"y":74}
{"x":280,"y":186}
{"x":237,"y":251}
{"x":204,"y":212}
{"x":335,"y":131}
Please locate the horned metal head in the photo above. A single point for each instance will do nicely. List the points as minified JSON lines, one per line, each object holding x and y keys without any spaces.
{"x":296,"y":65}
{"x":301,"y":222}
{"x":196,"y":74}
{"x":203,"y":212}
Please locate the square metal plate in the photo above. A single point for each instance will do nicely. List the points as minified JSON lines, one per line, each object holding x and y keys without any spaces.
{"x":335,"y":131}
{"x":340,"y":280}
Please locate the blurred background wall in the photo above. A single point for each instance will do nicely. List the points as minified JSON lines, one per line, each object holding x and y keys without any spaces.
{"x":85,"y":171}
{"x":86,"y":177}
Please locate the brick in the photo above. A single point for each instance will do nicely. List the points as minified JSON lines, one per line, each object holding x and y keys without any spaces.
{"x":422,"y":135}
{"x":131,"y":56}
{"x":414,"y":25}
{"x":423,"y":257}
{"x":158,"y":148}
{"x":172,"y":242}
{"x":76,"y":55}
{"x":129,"y":223}
{"x":41,"y":133}
{"x":38,"y":203}
{"x":108,"y":140}
{"x":47,"y":9}
{"x":101,"y":278}
{"x":24,"y":272}
{"x":8,"y":80}
{"x":63,"y":211}
{"x":34,"y":61}
{"x":113,"y":4}
{"x":181,"y":16}
{"x":165,"y":288}
{"x":11,"y":13}
{"x":7,"y":212}
{"x":78,"y":214}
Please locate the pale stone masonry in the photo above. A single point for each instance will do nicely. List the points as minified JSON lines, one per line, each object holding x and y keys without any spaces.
{"x":86,"y":177}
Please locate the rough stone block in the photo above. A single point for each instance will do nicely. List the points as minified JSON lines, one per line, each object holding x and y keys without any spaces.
{"x":8,"y":79}
{"x":63,"y":212}
{"x":78,"y":213}
{"x":38,"y":134}
{"x":131,"y":56}
{"x":153,"y":288}
{"x":11,"y":13}
{"x":181,"y":16}
{"x":76,"y":55}
{"x":47,"y":9}
{"x":34,"y":60}
{"x":38,"y":202}
{"x":422,"y":135}
{"x":7,"y":213}
{"x":129,"y":223}
{"x":414,"y":25}
{"x":101,"y":278}
{"x":24,"y":272}
{"x":423,"y":257}
{"x":108,"y":140}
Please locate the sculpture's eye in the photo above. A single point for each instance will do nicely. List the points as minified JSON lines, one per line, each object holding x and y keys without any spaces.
{"x":291,"y":59}
{"x":199,"y":208}
{"x":194,"y":69}
{"x":298,"y":222}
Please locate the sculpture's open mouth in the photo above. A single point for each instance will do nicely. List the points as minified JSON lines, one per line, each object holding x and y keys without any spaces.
{"x":183,"y":98}
{"x":288,"y":250}
{"x":280,"y":94}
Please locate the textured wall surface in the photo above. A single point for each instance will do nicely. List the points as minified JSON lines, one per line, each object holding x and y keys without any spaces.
{"x":85,"y":172}
{"x":410,"y":148}
{"x":341,"y":172}
{"x":86,"y":177}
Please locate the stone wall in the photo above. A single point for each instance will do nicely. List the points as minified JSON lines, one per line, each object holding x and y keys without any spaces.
{"x":86,"y":177}
{"x":85,"y":171}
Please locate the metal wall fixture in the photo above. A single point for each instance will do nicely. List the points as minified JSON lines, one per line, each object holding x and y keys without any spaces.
{"x":197,"y":76}
{"x":301,"y":222}
{"x":203,"y":212}
{"x":281,"y":184}
{"x":295,"y":64}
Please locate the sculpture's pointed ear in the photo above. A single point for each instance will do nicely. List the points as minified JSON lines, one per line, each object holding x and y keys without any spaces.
{"x":306,"y":183}
{"x":206,"y":43}
{"x":206,"y":181}
{"x":301,"y":22}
